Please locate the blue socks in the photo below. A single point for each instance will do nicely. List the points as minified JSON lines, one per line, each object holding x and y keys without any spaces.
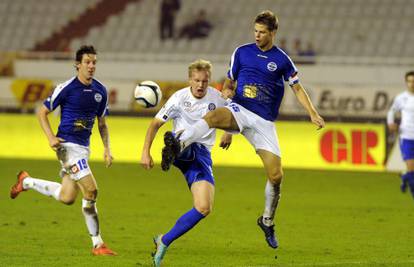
{"x":407,"y":180}
{"x":182,"y":226}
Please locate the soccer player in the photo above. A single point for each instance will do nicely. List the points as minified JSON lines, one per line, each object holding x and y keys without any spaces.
{"x":404,"y":104}
{"x":81,"y":99}
{"x":256,"y":75}
{"x":185,"y":107}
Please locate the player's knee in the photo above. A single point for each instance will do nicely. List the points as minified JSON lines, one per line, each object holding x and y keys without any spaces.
{"x":204,"y":209}
{"x":91,"y":194}
{"x":212,"y":119}
{"x":67,"y":200}
{"x":275,"y":177}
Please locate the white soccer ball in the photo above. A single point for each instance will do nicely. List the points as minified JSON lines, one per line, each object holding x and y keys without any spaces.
{"x":148,"y":94}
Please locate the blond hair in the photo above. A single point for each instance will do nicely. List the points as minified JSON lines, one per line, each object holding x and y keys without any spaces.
{"x":200,"y":65}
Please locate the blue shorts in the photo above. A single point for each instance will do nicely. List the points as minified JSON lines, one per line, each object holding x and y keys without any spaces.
{"x":196,"y":164}
{"x":407,"y":149}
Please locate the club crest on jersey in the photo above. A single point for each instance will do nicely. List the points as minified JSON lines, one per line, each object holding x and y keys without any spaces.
{"x":187,"y":104}
{"x":271,"y":66}
{"x":211,"y":106}
{"x":98,"y":97}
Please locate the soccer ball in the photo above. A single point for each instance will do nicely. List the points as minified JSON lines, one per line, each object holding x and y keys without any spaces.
{"x":148,"y":94}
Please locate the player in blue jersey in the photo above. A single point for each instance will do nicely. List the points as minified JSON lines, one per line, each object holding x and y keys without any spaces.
{"x":81,"y":99}
{"x":256,"y":79}
{"x":404,"y":104}
{"x":185,"y":107}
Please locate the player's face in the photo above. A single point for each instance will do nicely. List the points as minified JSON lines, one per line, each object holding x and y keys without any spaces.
{"x":199,"y":82}
{"x":86,"y":68}
{"x":264,"y":37}
{"x":410,"y":83}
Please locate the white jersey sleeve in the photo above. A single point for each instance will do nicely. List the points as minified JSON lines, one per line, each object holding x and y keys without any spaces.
{"x":403,"y":103}
{"x":170,"y":110}
{"x":395,"y":108}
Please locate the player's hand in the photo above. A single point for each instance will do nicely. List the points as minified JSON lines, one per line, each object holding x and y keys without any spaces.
{"x":393,"y":127}
{"x":146,"y":161}
{"x":225,"y":141}
{"x":227,"y":93}
{"x":108,"y":158}
{"x":54,"y":142}
{"x":318,"y":121}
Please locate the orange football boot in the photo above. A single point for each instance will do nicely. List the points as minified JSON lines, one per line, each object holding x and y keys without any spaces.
{"x":103,"y":250}
{"x":18,"y":186}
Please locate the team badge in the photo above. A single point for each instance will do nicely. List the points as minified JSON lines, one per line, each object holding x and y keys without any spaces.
{"x":271,"y":66}
{"x":211,"y":106}
{"x":98,"y":97}
{"x":187,"y":104}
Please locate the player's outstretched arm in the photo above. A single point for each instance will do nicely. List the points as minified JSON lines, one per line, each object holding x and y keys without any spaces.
{"x":304,"y":99}
{"x":103,"y":131}
{"x":146,"y":159}
{"x":54,"y":141}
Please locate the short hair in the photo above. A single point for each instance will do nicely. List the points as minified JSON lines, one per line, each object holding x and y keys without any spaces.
{"x":269,"y":19}
{"x":84,"y":49}
{"x":200,"y":65}
{"x":410,"y":73}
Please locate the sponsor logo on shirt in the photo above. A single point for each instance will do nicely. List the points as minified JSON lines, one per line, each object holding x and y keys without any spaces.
{"x":250,"y":91}
{"x":187,"y":104}
{"x":271,"y":66}
{"x":261,"y":56}
{"x":74,"y":169}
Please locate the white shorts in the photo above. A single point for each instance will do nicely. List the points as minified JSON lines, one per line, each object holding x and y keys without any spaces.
{"x":75,"y":162}
{"x":259,"y":132}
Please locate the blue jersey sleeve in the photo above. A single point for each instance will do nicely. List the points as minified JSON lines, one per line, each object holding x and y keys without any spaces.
{"x":103,"y":107}
{"x":234,"y":68}
{"x":290,"y":71}
{"x":57,"y":97}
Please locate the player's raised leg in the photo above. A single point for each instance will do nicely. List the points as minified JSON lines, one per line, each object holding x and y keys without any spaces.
{"x":220,"y":118}
{"x":25,"y":182}
{"x":89,"y":189}
{"x":273,"y":167}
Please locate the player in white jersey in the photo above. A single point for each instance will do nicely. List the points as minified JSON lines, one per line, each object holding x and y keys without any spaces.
{"x":404,"y":104}
{"x":185,"y":107}
{"x":256,"y":78}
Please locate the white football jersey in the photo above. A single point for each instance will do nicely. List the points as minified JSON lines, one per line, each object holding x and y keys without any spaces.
{"x":403,"y":103}
{"x":185,"y":110}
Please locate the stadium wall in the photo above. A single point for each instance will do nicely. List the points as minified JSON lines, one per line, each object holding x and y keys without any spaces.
{"x":352,"y":74}
{"x":335,"y":100}
{"x":339,"y":146}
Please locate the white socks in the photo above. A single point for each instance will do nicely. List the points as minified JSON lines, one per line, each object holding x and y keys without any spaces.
{"x":47,"y":188}
{"x":272,"y":196}
{"x":198,"y":130}
{"x":91,"y":218}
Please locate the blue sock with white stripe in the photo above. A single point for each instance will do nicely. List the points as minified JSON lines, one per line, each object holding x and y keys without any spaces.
{"x":182,"y":226}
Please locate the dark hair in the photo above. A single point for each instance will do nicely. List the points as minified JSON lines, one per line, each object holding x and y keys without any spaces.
{"x":84,"y":49}
{"x":269,"y":19}
{"x":410,"y":73}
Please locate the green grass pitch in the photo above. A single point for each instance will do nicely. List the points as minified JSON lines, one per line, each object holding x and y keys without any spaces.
{"x":325,"y":218}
